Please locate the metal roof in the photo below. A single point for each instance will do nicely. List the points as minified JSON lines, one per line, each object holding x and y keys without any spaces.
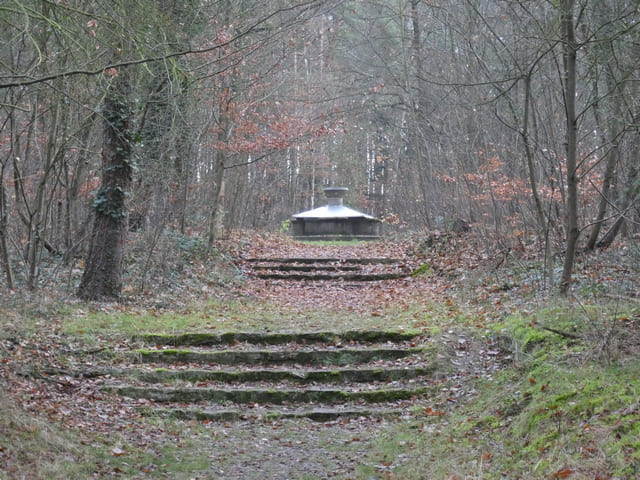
{"x":332,"y":211}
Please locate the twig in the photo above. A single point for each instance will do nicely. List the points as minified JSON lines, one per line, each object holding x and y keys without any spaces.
{"x":620,"y":297}
{"x":562,"y":334}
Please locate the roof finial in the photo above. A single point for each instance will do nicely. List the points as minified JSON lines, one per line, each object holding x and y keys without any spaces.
{"x":335,"y":195}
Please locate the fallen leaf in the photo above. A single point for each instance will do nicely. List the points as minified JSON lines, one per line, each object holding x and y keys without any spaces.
{"x":118,"y":452}
{"x":564,"y":473}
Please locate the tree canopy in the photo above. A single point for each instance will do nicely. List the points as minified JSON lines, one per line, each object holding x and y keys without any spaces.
{"x":517,"y":118}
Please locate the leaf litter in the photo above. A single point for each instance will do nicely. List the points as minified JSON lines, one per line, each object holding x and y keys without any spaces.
{"x":254,"y":448}
{"x":258,"y":448}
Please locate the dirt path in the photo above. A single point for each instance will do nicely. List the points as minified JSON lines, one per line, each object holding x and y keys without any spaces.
{"x":302,"y":449}
{"x":295,"y":450}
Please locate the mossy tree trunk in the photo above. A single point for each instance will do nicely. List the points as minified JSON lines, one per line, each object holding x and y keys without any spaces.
{"x":102,"y":277}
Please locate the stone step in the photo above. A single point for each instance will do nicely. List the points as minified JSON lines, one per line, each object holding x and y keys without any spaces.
{"x":355,"y":277}
{"x":306,"y":268}
{"x":337,"y":356}
{"x":324,"y":260}
{"x":269,"y":396}
{"x":328,"y":269}
{"x":324,"y":413}
{"x":296,"y":376}
{"x":234,"y":375}
{"x":277,"y":338}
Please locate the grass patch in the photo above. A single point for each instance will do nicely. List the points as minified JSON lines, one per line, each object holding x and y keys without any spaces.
{"x":35,"y":447}
{"x":213,"y":316}
{"x":557,"y":410}
{"x":168,"y":449}
{"x":25,"y":314}
{"x":583,"y":422}
{"x":244,"y":315}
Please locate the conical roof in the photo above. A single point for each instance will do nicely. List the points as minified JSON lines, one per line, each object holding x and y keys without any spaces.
{"x":334,"y":209}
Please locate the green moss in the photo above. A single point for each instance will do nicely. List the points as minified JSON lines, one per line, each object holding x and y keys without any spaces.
{"x":232,"y":315}
{"x":490,"y":421}
{"x":169,"y":351}
{"x":424,"y":269}
{"x":526,"y":334}
{"x":534,"y":419}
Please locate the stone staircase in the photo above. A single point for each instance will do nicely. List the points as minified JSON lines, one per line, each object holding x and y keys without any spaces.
{"x":316,"y":375}
{"x":336,"y":269}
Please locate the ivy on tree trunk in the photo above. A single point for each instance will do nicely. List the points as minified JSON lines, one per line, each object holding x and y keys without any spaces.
{"x":102,"y":277}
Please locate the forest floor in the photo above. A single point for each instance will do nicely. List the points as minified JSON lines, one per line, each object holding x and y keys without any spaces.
{"x":532,"y":385}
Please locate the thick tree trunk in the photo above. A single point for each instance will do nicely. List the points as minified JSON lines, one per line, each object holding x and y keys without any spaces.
{"x":102,"y":278}
{"x":571,"y":221}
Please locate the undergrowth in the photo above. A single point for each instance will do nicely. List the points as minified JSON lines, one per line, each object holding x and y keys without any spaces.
{"x":562,"y":409}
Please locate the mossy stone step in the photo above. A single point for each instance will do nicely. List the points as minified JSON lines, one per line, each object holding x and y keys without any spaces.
{"x":321,"y":260}
{"x":268,"y":396}
{"x":343,"y":356}
{"x":341,"y":269}
{"x":347,"y":277}
{"x":352,"y":375}
{"x":276,"y":338}
{"x":319,"y":414}
{"x":319,"y":375}
{"x":306,"y":268}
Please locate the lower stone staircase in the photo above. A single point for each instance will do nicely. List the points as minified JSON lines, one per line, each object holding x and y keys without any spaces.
{"x":317,"y":375}
{"x":341,"y":269}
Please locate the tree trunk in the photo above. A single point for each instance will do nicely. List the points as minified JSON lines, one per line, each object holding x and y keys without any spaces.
{"x":418,"y":108}
{"x":4,"y":251}
{"x":629,"y":196}
{"x":38,"y":209}
{"x":612,"y":160}
{"x":613,"y":156}
{"x":526,"y":140}
{"x":102,"y":277}
{"x":75,"y":176}
{"x":216,"y":200}
{"x":571,"y":220}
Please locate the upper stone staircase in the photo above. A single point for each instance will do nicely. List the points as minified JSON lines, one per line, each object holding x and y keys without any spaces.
{"x":336,"y":269}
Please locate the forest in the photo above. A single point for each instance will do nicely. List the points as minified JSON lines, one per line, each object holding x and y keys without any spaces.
{"x":150,"y":151}
{"x":195,"y":118}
